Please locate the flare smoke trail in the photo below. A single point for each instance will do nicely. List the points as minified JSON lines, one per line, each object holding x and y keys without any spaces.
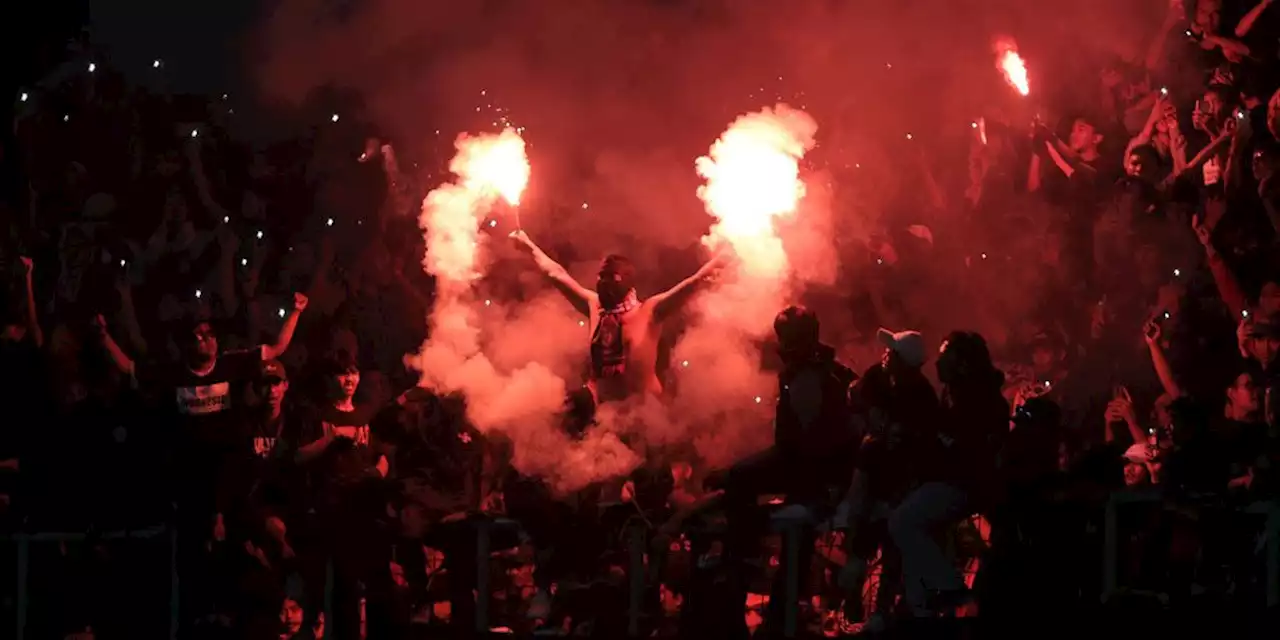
{"x":752,"y":184}
{"x":521,"y":401}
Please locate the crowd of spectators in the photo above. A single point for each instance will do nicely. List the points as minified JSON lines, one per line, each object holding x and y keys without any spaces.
{"x":191,"y":340}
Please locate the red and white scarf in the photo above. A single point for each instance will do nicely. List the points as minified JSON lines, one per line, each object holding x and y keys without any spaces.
{"x":608,"y":351}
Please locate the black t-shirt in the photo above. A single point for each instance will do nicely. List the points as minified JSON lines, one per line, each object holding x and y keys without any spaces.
{"x":208,"y":407}
{"x":890,"y":455}
{"x":1222,"y":451}
{"x":435,"y":444}
{"x":812,"y":414}
{"x":260,"y":470}
{"x":347,"y":461}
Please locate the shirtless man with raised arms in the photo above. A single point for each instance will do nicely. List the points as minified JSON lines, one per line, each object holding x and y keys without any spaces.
{"x":624,"y":330}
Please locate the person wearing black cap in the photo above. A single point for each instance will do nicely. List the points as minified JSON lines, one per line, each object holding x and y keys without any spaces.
{"x":899,"y":407}
{"x":265,"y":489}
{"x":955,"y":474}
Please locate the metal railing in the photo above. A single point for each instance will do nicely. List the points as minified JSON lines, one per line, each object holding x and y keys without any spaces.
{"x":787,"y":526}
{"x":1111,"y":539}
{"x":23,"y":541}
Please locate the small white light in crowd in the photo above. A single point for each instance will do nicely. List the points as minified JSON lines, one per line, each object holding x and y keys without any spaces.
{"x":757,"y":399}
{"x":857,"y":165}
{"x":1047,"y":384}
{"x":584,"y":205}
{"x":1188,"y":32}
{"x":684,"y":363}
{"x":582,"y":323}
{"x":334,"y":118}
{"x":1166,"y":315}
{"x":66,"y":118}
{"x":879,"y":260}
{"x":1164,"y":91}
{"x":195,"y":133}
{"x":329,"y":222}
{"x":973,"y":125}
{"x":155,"y":64}
{"x":888,"y":65}
{"x":226,"y":219}
{"x":244,"y":262}
{"x":1177,"y":272}
{"x":488,"y":302}
{"x":984,"y":256}
{"x":1244,"y":313}
{"x":909,"y":136}
{"x":198,"y":293}
{"x":259,"y":235}
{"x":360,"y":222}
{"x":231,"y":112}
{"x":280,"y":312}
{"x":92,"y":67}
{"x":23,"y":97}
{"x":493,"y":223}
{"x":122,"y":263}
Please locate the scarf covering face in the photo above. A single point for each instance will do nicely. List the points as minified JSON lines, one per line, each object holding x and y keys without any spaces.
{"x":608,"y":351}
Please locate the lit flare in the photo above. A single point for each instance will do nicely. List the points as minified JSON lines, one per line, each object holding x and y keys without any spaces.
{"x":1012,"y":65}
{"x":752,"y":180}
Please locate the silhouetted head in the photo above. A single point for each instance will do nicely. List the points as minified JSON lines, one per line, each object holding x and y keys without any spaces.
{"x":616,"y":279}
{"x":797,"y":331}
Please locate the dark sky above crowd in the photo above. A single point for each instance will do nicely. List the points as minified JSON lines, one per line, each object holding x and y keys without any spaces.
{"x":198,"y":40}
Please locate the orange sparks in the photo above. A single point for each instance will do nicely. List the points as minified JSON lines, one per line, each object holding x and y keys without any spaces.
{"x":753,"y":178}
{"x":1012,"y":65}
{"x":493,"y":164}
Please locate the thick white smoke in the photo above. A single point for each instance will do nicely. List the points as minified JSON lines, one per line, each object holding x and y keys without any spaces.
{"x":479,"y":348}
{"x":752,"y":186}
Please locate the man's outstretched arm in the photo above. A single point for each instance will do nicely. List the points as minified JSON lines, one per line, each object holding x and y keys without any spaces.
{"x":577,"y":295}
{"x":671,"y":300}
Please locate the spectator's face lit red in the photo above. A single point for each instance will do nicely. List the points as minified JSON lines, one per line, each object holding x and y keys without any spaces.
{"x":1084,"y":136}
{"x":202,"y":345}
{"x":1243,"y":398}
{"x":291,"y":617}
{"x":344,"y":384}
{"x":1262,"y":348}
{"x":1133,"y":165}
{"x":1207,"y":16}
{"x":276,"y":390}
{"x":1211,"y":105}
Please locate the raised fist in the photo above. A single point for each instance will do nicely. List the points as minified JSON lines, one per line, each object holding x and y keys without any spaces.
{"x":300,"y":301}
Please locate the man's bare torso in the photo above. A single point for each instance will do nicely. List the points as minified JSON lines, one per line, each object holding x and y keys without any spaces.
{"x":640,"y":338}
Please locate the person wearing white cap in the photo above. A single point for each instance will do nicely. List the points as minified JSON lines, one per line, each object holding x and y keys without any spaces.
{"x":957,"y":473}
{"x":901,"y":408}
{"x":906,"y":345}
